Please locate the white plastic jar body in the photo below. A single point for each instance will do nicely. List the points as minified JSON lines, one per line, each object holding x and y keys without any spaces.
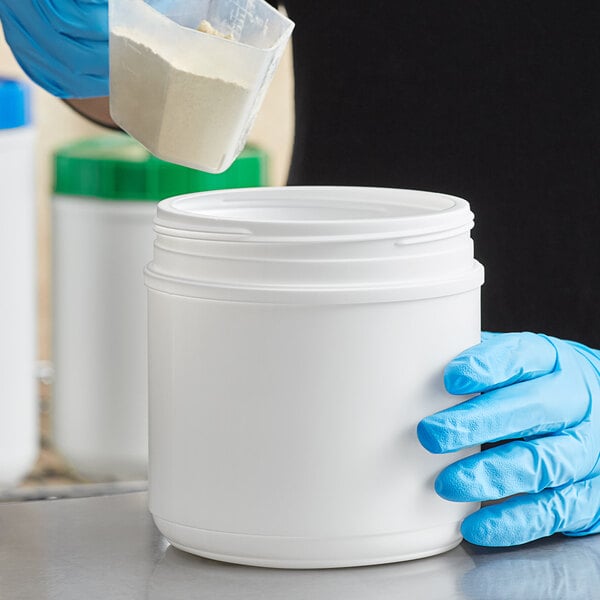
{"x":296,"y":338}
{"x":18,"y":317}
{"x":99,"y":410}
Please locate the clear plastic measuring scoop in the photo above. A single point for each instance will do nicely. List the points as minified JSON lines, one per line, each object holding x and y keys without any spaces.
{"x":187,"y":78}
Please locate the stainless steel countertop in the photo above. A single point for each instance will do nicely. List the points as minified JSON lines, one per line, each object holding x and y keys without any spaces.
{"x":108,"y":548}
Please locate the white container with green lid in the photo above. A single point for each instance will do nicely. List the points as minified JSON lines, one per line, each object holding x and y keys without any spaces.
{"x":106,"y":190}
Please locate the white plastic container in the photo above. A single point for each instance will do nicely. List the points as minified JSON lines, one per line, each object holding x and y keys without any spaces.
{"x":99,"y":404}
{"x":99,"y":413}
{"x":18,"y":290}
{"x":106,"y":191}
{"x":296,"y":338}
{"x":191,"y":97}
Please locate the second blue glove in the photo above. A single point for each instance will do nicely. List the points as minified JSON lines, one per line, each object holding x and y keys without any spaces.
{"x":542,"y":393}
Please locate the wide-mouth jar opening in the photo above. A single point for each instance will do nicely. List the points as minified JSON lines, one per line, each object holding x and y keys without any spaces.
{"x":306,"y":213}
{"x":315,"y":245}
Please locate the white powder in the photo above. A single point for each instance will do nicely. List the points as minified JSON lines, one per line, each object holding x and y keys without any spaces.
{"x":206,"y":27}
{"x":181,"y":116}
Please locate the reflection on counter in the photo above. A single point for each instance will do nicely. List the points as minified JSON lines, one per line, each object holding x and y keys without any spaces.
{"x":557,"y":568}
{"x":181,"y":576}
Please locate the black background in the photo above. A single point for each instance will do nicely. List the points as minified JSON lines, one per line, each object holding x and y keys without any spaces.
{"x":493,"y":101}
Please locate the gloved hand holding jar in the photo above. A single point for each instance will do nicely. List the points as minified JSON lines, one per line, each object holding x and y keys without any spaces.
{"x":541,"y":394}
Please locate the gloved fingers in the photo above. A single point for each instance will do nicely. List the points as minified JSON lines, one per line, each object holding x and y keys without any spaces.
{"x":587,"y":501}
{"x":500,"y":360}
{"x":45,"y":80}
{"x":63,"y":68}
{"x":76,"y":57}
{"x":516,"y":468}
{"x":78,"y":19}
{"x":540,"y":406}
{"x":89,"y":86}
{"x":32,"y":58}
{"x":573,"y":509}
{"x":59,"y":80}
{"x":79,"y":41}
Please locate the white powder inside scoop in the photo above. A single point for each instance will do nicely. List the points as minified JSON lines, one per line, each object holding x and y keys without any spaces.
{"x":181,"y":116}
{"x":206,"y":27}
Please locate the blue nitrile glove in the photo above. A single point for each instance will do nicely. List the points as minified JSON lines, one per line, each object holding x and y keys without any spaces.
{"x":61,"y":44}
{"x":541,"y":389}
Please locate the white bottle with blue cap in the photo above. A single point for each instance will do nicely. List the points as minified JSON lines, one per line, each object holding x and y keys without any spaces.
{"x":18,"y":392}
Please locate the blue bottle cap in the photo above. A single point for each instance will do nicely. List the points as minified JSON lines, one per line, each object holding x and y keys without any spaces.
{"x":15,"y":106}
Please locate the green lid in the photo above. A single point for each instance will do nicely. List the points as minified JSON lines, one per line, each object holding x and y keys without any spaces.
{"x":116,"y":167}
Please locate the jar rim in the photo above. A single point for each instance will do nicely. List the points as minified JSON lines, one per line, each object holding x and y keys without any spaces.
{"x":309,"y":213}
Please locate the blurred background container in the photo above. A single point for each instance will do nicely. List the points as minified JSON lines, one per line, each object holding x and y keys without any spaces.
{"x":106,"y":190}
{"x":18,"y":393}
